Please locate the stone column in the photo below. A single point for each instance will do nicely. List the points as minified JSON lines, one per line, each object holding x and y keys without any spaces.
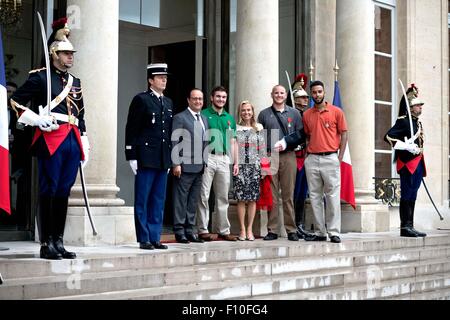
{"x":95,"y":35}
{"x":323,"y":38}
{"x":257,"y":57}
{"x":355,"y":29}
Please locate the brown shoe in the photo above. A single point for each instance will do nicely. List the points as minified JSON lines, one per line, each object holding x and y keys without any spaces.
{"x":208,"y":236}
{"x":228,"y":237}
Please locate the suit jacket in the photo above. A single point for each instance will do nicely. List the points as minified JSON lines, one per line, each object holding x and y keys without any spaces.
{"x":147,"y":132}
{"x":189,"y":142}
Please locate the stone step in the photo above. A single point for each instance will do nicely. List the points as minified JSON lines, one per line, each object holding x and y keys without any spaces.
{"x":65,"y":283}
{"x":442,"y":294}
{"x":234,"y":252}
{"x":408,"y":288}
{"x":266,"y":284}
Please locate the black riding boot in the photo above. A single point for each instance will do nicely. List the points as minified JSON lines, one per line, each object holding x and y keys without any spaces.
{"x":60,"y":213}
{"x":46,"y":226}
{"x":412,"y":204}
{"x":299,"y":207}
{"x":406,"y":229}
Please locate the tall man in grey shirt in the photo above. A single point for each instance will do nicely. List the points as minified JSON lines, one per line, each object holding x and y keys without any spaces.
{"x":285,"y":120}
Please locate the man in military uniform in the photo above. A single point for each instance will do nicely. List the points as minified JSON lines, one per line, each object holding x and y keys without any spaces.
{"x":409,"y":157}
{"x":301,"y":100}
{"x":60,"y":139}
{"x":148,"y":150}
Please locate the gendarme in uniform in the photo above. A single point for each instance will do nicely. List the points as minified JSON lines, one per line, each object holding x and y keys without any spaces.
{"x":148,"y":149}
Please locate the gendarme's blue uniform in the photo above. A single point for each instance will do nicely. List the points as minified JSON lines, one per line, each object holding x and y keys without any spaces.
{"x":147,"y":140}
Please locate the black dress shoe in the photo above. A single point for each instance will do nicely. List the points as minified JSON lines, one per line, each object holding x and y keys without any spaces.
{"x":293,"y":236}
{"x":59,"y":245}
{"x":419,"y":234}
{"x":146,"y":246}
{"x":159,"y":245}
{"x":313,"y":237}
{"x":194,"y":238}
{"x":48,"y":251}
{"x":408,"y":232}
{"x":271,"y":236}
{"x":335,"y":239}
{"x":181,"y":238}
{"x":301,"y":232}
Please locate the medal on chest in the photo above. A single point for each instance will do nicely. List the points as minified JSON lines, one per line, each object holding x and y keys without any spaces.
{"x":153,"y":118}
{"x":289,"y":122}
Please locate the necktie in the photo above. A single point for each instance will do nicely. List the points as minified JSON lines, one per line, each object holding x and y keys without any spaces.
{"x":198,"y":119}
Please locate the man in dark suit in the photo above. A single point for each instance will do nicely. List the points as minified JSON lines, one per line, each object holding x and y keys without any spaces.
{"x":188,"y":139}
{"x":147,"y":148}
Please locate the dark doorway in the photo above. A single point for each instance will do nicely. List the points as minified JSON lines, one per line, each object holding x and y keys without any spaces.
{"x":180,"y":58}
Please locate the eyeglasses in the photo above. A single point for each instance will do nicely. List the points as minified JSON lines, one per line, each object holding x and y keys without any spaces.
{"x":196,"y":99}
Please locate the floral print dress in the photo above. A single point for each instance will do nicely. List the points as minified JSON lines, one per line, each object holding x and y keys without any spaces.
{"x":251,"y":148}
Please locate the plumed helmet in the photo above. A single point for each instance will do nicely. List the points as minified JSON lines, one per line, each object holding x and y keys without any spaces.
{"x":415,"y":102}
{"x":298,"y":88}
{"x":412,"y":93}
{"x":58,"y":40}
{"x":300,"y":93}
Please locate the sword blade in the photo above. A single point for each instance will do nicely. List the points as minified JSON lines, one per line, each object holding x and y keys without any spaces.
{"x":431,"y":199}
{"x":86,"y":200}
{"x":290,"y":89}
{"x":407,"y":108}
{"x":47,"y":61}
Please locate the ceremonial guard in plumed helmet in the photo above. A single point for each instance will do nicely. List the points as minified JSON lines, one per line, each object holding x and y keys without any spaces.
{"x":60,"y":141}
{"x":409,"y":156}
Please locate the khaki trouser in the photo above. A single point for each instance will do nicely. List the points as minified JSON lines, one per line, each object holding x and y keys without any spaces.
{"x":284,"y":179}
{"x":217,"y":173}
{"x":324,"y":177}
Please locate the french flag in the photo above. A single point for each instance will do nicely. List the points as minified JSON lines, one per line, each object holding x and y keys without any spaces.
{"x":347,"y":186}
{"x":4,"y":152}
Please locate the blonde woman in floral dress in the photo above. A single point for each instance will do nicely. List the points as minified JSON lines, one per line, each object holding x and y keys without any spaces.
{"x":251,"y":146}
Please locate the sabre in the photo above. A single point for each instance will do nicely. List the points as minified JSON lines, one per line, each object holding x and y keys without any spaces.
{"x":86,"y":200}
{"x":47,"y":61}
{"x":429,"y":196}
{"x":407,"y":108}
{"x":290,"y":88}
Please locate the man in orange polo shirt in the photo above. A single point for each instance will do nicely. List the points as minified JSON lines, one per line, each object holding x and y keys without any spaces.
{"x":326,"y":134}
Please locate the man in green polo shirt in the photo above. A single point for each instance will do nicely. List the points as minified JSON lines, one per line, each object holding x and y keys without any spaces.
{"x":222,"y":153}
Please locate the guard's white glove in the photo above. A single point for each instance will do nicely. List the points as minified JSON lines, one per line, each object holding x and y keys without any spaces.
{"x":280,"y":145}
{"x":86,"y":149}
{"x":134,"y":166}
{"x":29,"y":118}
{"x":408,"y":145}
{"x":413,"y":148}
{"x":43,"y":113}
